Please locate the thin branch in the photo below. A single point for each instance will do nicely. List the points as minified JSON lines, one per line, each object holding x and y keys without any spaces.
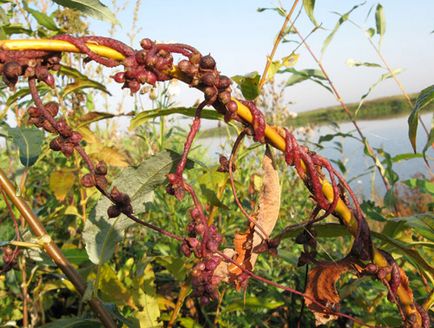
{"x":276,"y":44}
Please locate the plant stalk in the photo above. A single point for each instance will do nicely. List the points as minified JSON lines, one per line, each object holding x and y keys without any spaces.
{"x":52,"y":249}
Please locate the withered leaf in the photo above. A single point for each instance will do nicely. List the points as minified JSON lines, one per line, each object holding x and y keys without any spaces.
{"x":267,"y":215}
{"x":321,"y":287}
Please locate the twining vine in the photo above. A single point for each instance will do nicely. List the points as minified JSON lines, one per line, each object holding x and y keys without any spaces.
{"x":153,"y":63}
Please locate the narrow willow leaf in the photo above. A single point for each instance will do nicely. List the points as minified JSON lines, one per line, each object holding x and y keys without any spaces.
{"x":380,"y":21}
{"x":41,"y":18}
{"x":143,"y":117}
{"x":101,"y":233}
{"x":83,"y":84}
{"x":383,"y":77}
{"x":355,"y":63}
{"x":309,"y":6}
{"x":425,"y":97}
{"x":93,"y":8}
{"x":248,"y":84}
{"x":313,"y":75}
{"x":29,"y":142}
{"x":92,"y":117}
{"x":42,"y":89}
{"x":11,"y":29}
{"x":343,"y":18}
{"x":279,"y":10}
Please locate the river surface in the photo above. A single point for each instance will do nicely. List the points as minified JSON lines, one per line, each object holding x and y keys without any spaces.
{"x":389,"y":134}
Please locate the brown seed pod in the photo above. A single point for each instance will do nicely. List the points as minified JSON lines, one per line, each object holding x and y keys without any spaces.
{"x":11,"y":70}
{"x":224,"y":82}
{"x":41,"y":72}
{"x":225,"y":97}
{"x":232,"y":106}
{"x":116,"y":195}
{"x":127,"y":209}
{"x":67,"y":149}
{"x":185,"y":66}
{"x":56,"y":144}
{"x":208,"y":79}
{"x":33,"y":111}
{"x":113,"y":211}
{"x":63,"y":128}
{"x":87,"y":180}
{"x":101,"y":168}
{"x":207,"y":62}
{"x":210,"y":93}
{"x":52,"y":107}
{"x":75,"y":138}
{"x":101,"y":181}
{"x":119,"y":77}
{"x":146,"y":44}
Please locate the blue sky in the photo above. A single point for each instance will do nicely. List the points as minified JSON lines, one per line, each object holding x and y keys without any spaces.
{"x":240,"y":38}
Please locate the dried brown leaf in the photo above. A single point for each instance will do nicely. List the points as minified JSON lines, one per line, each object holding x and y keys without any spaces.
{"x":267,"y":215}
{"x":321,"y":286}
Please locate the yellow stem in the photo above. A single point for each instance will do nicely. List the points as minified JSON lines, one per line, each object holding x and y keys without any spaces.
{"x":273,"y":138}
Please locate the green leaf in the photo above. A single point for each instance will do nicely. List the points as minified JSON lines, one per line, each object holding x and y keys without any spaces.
{"x":309,"y":6}
{"x":101,"y":233}
{"x":93,"y":8}
{"x":380,"y":20}
{"x":251,"y":302}
{"x":29,"y":142}
{"x":41,"y":18}
{"x":343,"y":18}
{"x":314,"y":75}
{"x":83,"y":84}
{"x":143,"y":117}
{"x":421,"y":223}
{"x":354,"y":63}
{"x":76,"y":255}
{"x":145,"y":295}
{"x":383,"y":77}
{"x":11,"y":29}
{"x":42,"y":89}
{"x":406,"y":156}
{"x":248,"y":84}
{"x":73,"y":322}
{"x":175,"y":265}
{"x":279,"y":10}
{"x":423,"y":185}
{"x":110,"y":288}
{"x":92,"y":117}
{"x":425,"y":97}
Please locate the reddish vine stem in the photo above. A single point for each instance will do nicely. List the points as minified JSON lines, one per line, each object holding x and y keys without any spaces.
{"x":252,"y":220}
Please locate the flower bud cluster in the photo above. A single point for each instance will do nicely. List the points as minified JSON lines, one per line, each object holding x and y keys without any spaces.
{"x":13,"y":66}
{"x":202,"y":73}
{"x":204,"y":282}
{"x":67,"y":139}
{"x":122,"y":204}
{"x":148,"y":65}
{"x":97,"y":178}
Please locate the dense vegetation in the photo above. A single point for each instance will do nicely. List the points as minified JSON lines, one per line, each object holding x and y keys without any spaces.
{"x":78,"y":255}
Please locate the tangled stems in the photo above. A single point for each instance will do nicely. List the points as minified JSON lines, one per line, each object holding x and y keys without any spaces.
{"x":153,"y":63}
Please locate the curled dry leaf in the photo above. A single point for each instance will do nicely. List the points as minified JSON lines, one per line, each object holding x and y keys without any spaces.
{"x":321,"y":286}
{"x":267,"y":215}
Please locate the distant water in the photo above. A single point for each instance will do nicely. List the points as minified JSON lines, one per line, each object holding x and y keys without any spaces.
{"x":389,"y":134}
